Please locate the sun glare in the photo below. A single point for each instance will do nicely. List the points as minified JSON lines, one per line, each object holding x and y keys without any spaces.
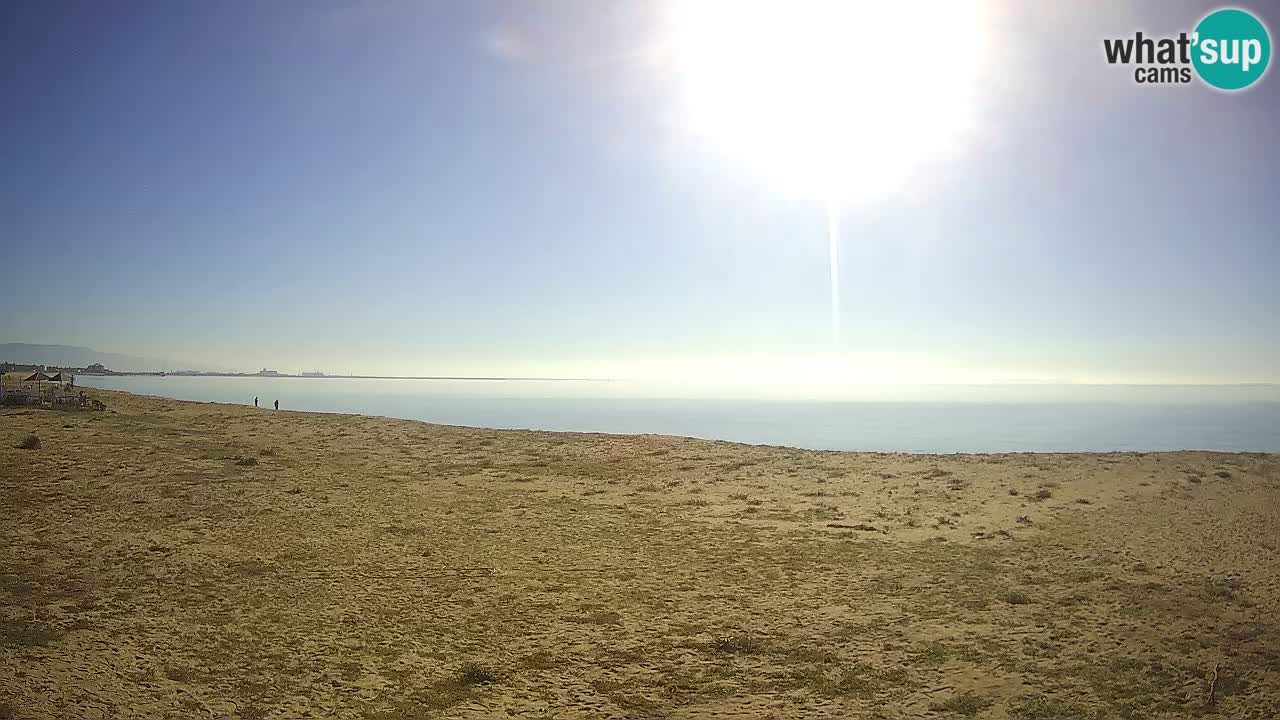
{"x":835,"y":100}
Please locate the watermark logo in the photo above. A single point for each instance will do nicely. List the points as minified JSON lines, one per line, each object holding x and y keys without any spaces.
{"x":1229,"y":50}
{"x":1235,"y":49}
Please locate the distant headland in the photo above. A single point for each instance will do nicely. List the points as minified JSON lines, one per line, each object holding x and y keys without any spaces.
{"x":23,"y":357}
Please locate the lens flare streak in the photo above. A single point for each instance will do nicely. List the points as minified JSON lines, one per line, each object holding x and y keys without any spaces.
{"x":833,"y":240}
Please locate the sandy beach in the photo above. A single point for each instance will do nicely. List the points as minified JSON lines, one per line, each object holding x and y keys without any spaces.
{"x":169,"y":559}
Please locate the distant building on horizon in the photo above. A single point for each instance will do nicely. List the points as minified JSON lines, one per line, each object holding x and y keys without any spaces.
{"x":317,"y":373}
{"x":267,"y":373}
{"x":19,"y":367}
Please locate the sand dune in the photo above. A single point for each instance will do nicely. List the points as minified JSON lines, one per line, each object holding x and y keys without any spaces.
{"x":180,"y":560}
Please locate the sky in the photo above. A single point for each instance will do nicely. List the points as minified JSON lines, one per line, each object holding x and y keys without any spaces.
{"x":512,"y":188}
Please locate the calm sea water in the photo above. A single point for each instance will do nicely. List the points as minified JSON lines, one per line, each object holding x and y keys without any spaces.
{"x":935,"y":419}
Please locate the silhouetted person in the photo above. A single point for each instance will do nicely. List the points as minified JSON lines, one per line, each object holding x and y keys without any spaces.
{"x":255,"y":401}
{"x":277,"y":404}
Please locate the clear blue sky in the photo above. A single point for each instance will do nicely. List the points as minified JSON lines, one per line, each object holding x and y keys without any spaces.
{"x":476,"y":187}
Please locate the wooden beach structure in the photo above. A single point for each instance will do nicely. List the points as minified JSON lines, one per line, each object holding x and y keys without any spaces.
{"x":39,"y":388}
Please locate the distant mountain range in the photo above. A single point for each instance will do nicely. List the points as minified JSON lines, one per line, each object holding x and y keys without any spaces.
{"x":72,"y":356}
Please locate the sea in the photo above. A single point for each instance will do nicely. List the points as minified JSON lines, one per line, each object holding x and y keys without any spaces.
{"x":912,"y":419}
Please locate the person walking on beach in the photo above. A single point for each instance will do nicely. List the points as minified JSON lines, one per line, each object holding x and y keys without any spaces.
{"x":255,"y":401}
{"x":277,"y":404}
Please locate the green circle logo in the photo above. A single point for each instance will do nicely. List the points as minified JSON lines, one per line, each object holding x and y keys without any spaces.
{"x":1232,"y":49}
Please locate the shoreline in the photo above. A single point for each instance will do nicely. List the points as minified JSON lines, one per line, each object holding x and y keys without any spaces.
{"x":283,"y":376}
{"x":176,"y":558}
{"x":718,"y":441}
{"x":831,"y":426}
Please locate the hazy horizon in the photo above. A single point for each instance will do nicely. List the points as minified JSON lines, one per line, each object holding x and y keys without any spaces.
{"x":794,"y":385}
{"x":502,"y":189}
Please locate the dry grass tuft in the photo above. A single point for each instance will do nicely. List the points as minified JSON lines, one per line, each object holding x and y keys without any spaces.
{"x":966,"y":705}
{"x":737,"y":645}
{"x":1016,"y":597}
{"x":476,"y":674}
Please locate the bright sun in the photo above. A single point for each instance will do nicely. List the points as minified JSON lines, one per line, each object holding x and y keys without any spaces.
{"x":834,"y":100}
